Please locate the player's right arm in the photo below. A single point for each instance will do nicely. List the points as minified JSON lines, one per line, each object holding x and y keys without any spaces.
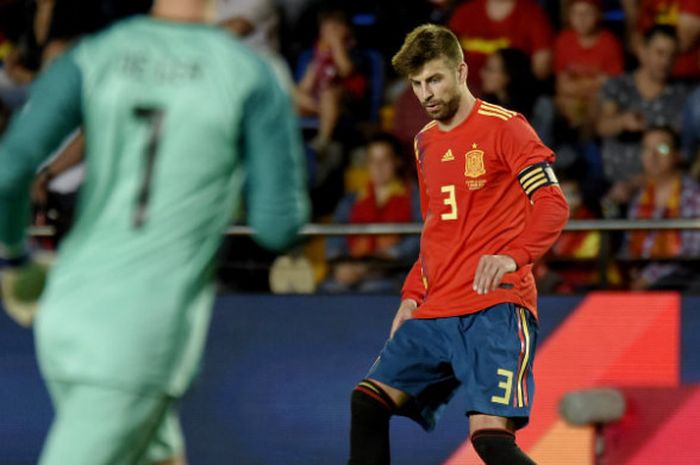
{"x":277,"y":201}
{"x":414,"y":289}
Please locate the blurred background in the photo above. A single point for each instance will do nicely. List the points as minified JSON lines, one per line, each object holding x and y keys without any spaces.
{"x":613,"y":86}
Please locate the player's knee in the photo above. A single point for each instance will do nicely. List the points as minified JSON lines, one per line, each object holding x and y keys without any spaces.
{"x":370,"y":402}
{"x":498,"y":447}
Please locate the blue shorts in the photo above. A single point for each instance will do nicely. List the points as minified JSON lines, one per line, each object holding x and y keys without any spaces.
{"x":489,"y":353}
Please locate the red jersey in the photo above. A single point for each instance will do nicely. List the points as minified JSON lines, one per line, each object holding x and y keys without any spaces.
{"x":526,"y":28}
{"x":604,"y":57}
{"x":473,"y":204}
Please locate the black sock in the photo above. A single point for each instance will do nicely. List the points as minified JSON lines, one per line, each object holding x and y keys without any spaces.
{"x":498,"y":447}
{"x":371,"y":411}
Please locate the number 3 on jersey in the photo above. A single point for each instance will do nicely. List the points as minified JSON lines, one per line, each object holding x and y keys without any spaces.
{"x":450,"y":201}
{"x":153,"y":116}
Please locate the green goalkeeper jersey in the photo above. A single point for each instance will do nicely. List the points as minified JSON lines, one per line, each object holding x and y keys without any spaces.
{"x":181,"y":123}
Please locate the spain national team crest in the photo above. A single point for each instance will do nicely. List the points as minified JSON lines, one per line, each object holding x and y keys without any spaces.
{"x":474,"y":164}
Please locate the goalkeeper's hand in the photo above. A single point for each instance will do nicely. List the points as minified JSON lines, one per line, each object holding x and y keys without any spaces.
{"x":21,"y":284}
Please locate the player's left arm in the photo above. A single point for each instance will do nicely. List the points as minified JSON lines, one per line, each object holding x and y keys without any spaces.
{"x":277,"y":201}
{"x":51,"y":113}
{"x":529,"y":160}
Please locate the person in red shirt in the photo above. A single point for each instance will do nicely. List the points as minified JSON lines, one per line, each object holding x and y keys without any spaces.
{"x":584,"y":57}
{"x":491,"y":205}
{"x":684,"y":15}
{"x":484,"y":26}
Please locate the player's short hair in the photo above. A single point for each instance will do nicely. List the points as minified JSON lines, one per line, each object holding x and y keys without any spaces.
{"x":426,"y":43}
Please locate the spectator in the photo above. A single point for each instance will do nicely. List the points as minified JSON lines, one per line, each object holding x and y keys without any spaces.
{"x":666,"y":193}
{"x":508,"y":81}
{"x":333,"y":78}
{"x":585,"y":55}
{"x":484,"y":26}
{"x":375,"y":263}
{"x":634,"y":101}
{"x":642,"y":15}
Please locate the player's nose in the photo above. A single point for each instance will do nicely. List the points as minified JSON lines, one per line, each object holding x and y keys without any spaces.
{"x":427,"y":98}
{"x":425,"y":93}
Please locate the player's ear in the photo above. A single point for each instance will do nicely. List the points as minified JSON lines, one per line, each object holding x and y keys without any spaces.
{"x":463,"y":71}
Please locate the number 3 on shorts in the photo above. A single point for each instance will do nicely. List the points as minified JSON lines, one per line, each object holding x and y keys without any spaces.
{"x":506,"y":385}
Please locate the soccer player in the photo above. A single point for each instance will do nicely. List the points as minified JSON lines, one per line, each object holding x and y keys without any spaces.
{"x":468,"y":316}
{"x":175,"y":113}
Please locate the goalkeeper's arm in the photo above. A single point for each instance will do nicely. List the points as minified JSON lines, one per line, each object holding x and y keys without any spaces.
{"x":51,"y":113}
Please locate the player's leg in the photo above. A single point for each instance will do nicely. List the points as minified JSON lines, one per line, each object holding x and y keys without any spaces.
{"x":403,"y":381}
{"x":372,"y":405}
{"x":493,"y":439}
{"x":495,"y":367}
{"x":103,"y":426}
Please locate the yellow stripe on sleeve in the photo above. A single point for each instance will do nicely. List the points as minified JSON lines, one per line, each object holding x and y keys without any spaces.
{"x":497,"y":115}
{"x":496,"y":108}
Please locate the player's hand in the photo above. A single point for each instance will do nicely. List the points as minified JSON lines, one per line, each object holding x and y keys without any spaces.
{"x":21,"y":288}
{"x":490,"y":271}
{"x":404,"y":313}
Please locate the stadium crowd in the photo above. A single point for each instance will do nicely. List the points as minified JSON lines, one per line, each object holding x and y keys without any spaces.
{"x":612,"y":86}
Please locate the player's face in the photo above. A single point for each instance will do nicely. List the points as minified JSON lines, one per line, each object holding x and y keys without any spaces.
{"x":658,"y":155}
{"x":583,"y":18}
{"x":439,"y":86}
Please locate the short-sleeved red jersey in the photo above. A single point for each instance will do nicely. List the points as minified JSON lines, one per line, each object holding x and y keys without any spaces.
{"x":473,"y":204}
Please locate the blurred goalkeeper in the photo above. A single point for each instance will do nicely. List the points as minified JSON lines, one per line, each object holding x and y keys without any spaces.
{"x":173,"y":111}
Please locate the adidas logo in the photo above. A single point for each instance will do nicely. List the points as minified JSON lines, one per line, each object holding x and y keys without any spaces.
{"x":448,"y":156}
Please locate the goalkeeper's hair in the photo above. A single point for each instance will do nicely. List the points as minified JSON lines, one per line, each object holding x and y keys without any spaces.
{"x":426,"y":43}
